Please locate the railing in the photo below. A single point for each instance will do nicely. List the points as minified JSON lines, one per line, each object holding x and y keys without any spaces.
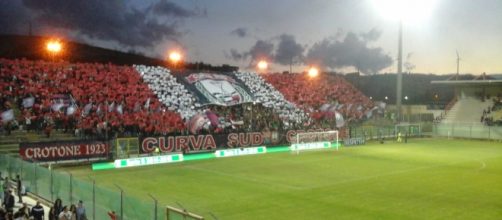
{"x":50,"y":185}
{"x":376,"y":132}
{"x":468,"y":130}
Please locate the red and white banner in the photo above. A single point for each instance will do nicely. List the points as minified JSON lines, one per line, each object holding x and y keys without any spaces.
{"x":63,"y":150}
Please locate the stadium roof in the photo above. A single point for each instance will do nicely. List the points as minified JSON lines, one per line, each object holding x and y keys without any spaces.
{"x":490,"y":82}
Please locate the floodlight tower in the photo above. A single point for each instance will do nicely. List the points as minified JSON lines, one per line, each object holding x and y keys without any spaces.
{"x":403,"y":11}
{"x":458,"y":66}
{"x":399,"y":83}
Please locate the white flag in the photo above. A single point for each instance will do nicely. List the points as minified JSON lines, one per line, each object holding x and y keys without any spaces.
{"x":71,"y":110}
{"x":137,"y":107}
{"x":8,"y":115}
{"x":120,"y":109}
{"x":87,"y":109}
{"x":98,"y":111}
{"x":111,"y":107}
{"x":147,"y":104}
{"x":28,"y":102}
{"x":57,"y":106}
{"x":340,"y":122}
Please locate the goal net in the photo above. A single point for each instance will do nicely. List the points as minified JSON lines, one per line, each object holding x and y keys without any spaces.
{"x":315,"y":140}
{"x":126,"y":147}
{"x":410,"y":130}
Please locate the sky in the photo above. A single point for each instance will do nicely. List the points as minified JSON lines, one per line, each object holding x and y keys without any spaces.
{"x":337,"y":35}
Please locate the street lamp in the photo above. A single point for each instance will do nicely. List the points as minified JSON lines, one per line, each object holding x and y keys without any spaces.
{"x":313,"y":72}
{"x":54,"y":47}
{"x":409,"y":11}
{"x":175,"y":57}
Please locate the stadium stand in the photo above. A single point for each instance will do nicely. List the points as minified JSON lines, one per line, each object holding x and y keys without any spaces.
{"x":467,"y":110}
{"x":106,"y":100}
{"x":311,"y":94}
{"x":88,"y":99}
{"x":177,"y":98}
{"x":493,"y":114}
{"x":169,"y":92}
{"x":271,"y":98}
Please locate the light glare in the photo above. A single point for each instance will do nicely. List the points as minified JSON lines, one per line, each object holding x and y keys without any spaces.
{"x":262,"y":65}
{"x":174,"y":56}
{"x":313,"y":72}
{"x":409,"y":11}
{"x":54,"y":46}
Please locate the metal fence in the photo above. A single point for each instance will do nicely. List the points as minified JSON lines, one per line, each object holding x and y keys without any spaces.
{"x":373,"y":132}
{"x":462,"y":130}
{"x":50,"y":185}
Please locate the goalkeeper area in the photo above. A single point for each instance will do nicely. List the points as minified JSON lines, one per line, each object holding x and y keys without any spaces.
{"x":422,"y":179}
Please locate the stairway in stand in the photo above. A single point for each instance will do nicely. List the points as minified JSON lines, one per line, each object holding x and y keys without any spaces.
{"x":466,"y":111}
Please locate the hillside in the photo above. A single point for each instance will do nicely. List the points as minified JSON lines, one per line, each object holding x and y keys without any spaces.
{"x":417,"y":87}
{"x":33,"y":48}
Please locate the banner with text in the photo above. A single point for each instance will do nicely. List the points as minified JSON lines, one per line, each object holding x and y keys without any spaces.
{"x":212,"y":142}
{"x":63,"y":150}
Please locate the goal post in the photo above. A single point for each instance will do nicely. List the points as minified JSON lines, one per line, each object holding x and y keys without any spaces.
{"x":315,"y":140}
{"x":125,"y":147}
{"x":410,"y":130}
{"x":173,"y":213}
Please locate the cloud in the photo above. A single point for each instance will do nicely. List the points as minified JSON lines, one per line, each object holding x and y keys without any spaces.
{"x":14,"y":18}
{"x":170,"y":9}
{"x":352,"y":51}
{"x":240,"y":32}
{"x":235,"y":55}
{"x":260,"y":50}
{"x":371,"y":35}
{"x":116,"y":21}
{"x":288,"y":50}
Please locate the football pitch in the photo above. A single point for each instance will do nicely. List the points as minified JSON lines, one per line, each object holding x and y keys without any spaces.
{"x":422,"y":179}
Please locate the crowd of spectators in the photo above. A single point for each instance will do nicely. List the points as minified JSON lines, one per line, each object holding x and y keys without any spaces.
{"x":7,"y":208}
{"x":312,"y":93}
{"x":493,"y":114}
{"x":271,"y":98}
{"x":57,"y":212}
{"x":169,"y":92}
{"x":246,"y":117}
{"x":105,"y":100}
{"x":72,"y":212}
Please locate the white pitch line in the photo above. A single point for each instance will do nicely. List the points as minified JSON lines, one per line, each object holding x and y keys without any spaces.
{"x":483,"y":165}
{"x":396,"y":173}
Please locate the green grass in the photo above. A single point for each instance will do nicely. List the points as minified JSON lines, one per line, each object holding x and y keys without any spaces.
{"x":423,"y":179}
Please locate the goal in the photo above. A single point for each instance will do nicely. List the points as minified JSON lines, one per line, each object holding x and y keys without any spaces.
{"x":314,"y":141}
{"x":126,"y":147}
{"x":410,"y":130}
